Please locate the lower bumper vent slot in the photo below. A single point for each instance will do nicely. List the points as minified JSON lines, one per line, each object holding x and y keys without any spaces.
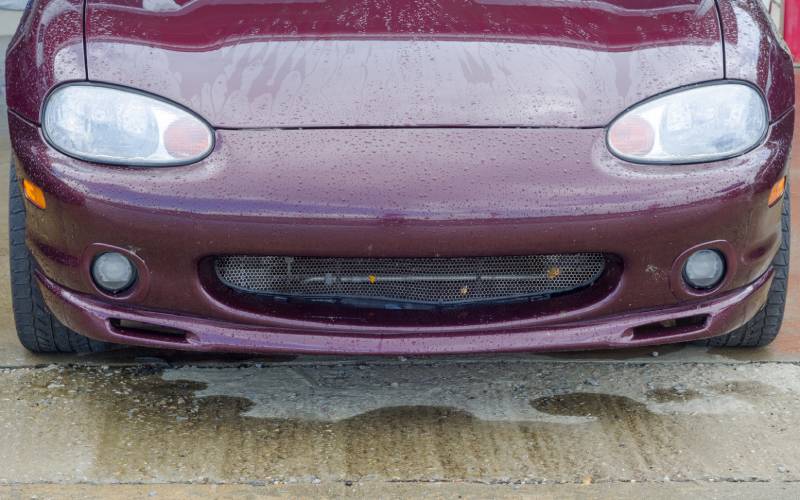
{"x":149,"y":331}
{"x":671,"y":327}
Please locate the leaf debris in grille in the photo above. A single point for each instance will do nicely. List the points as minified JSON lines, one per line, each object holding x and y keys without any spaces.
{"x":435,"y":281}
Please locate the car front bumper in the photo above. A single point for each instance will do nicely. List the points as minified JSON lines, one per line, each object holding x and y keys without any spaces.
{"x":98,"y":319}
{"x":404,"y":193}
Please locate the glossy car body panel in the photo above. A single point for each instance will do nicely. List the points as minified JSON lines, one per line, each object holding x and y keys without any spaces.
{"x":753,"y":52}
{"x":46,"y":50}
{"x":413,"y":151}
{"x":85,"y":314}
{"x":449,"y":63}
{"x":647,"y":217}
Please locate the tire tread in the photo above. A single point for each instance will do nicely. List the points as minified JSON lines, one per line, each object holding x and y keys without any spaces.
{"x":764,"y":327}
{"x":37,"y":328}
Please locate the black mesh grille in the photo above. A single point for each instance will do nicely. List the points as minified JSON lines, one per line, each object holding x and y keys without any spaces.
{"x":432,"y":281}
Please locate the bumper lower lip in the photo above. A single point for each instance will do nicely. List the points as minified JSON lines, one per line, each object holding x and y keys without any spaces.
{"x":94,"y":318}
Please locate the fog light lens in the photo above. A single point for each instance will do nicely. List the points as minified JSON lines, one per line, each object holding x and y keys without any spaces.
{"x":113,"y":272}
{"x":704,"y":269}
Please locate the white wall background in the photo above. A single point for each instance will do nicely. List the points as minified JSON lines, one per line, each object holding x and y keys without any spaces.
{"x":12,"y":4}
{"x":775,"y":11}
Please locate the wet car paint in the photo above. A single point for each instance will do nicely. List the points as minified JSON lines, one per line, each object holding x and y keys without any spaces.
{"x":215,"y":208}
{"x":406,"y":192}
{"x":754,"y":52}
{"x":339,"y":334}
{"x":46,"y":50}
{"x":449,"y":63}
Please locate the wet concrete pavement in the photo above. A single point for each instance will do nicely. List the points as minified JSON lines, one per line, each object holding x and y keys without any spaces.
{"x":689,"y":421}
{"x":455,"y":422}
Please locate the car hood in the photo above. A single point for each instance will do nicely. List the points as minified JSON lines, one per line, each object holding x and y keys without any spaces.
{"x":398,"y":63}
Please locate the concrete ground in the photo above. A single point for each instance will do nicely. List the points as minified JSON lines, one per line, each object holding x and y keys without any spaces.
{"x":677,"y":420}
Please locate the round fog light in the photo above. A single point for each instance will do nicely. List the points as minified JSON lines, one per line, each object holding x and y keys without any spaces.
{"x":113,"y":272}
{"x":704,"y":269}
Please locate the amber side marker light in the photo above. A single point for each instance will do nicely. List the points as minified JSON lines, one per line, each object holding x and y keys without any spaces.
{"x":34,"y":194}
{"x":777,"y":191}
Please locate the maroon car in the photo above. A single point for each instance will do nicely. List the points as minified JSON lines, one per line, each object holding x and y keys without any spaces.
{"x":398,"y":177}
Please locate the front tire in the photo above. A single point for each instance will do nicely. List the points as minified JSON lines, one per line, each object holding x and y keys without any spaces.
{"x":38,"y":330}
{"x":762,"y":329}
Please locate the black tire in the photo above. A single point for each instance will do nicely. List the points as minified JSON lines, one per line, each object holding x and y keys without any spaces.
{"x":38,"y":330}
{"x":765,"y":325}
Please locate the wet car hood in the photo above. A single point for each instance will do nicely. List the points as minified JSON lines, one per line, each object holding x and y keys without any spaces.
{"x":376,"y":63}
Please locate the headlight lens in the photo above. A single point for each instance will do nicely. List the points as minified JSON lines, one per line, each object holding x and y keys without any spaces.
{"x":704,"y":123}
{"x":123,"y":127}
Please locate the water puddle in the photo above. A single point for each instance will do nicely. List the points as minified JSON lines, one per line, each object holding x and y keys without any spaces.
{"x":485,"y":421}
{"x":672,"y":394}
{"x":587,"y":404}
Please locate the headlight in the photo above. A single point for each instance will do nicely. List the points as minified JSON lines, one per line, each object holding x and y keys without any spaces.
{"x":123,"y":127}
{"x":704,"y":123}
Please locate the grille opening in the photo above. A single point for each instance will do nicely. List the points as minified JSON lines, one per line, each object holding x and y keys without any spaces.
{"x":148,"y":331}
{"x":410,"y":283}
{"x":669,"y":327}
